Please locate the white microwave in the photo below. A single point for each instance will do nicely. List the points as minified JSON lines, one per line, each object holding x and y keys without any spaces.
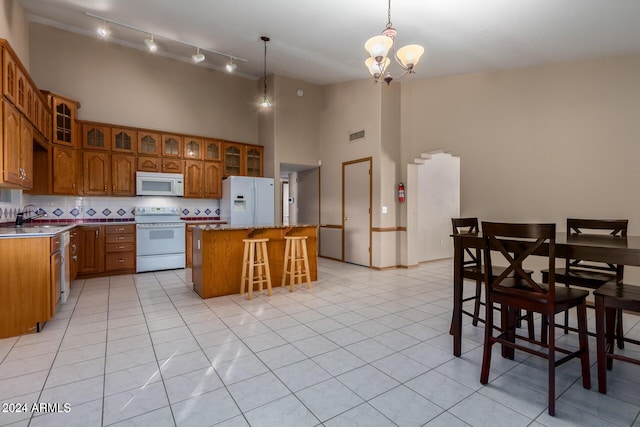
{"x":159,"y":184}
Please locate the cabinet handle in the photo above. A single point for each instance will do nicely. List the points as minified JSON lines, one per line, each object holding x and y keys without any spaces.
{"x":120,"y":238}
{"x":114,"y":187}
{"x":73,"y":186}
{"x":75,"y":258}
{"x":105,"y":188}
{"x":96,"y":232}
{"x":120,"y":247}
{"x":120,"y":261}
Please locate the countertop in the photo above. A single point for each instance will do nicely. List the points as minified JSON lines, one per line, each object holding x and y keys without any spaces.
{"x":37,"y":230}
{"x":224,"y":226}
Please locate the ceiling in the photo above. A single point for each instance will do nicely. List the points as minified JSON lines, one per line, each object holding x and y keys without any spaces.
{"x":322,"y":42}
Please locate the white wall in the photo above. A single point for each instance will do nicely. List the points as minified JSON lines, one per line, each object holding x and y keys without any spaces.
{"x":120,"y":85}
{"x":14,"y":27}
{"x":438,"y":202}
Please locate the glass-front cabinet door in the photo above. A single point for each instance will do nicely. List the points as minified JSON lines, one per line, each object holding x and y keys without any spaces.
{"x":96,"y":137}
{"x":253,"y":160}
{"x":211,"y":149}
{"x":171,"y":146}
{"x":233,"y":159}
{"x":123,"y":140}
{"x":148,"y":143}
{"x":192,"y":148}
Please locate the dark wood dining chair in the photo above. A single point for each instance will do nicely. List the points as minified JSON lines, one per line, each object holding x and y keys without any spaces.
{"x":474,"y":270}
{"x":516,"y":290}
{"x":591,"y":275}
{"x":612,"y":298}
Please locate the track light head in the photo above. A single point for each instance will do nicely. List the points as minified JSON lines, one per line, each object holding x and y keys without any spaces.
{"x":198,"y":57}
{"x":231,"y":66}
{"x":151,"y":45}
{"x":103,"y":31}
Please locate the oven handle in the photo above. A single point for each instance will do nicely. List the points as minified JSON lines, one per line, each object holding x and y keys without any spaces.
{"x":165,"y":225}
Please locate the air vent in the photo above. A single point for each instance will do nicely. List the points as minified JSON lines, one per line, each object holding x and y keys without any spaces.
{"x":355,"y":136}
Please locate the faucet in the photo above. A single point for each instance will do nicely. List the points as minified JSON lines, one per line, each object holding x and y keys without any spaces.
{"x":38,"y":213}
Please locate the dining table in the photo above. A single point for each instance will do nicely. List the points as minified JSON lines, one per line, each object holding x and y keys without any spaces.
{"x":590,"y":247}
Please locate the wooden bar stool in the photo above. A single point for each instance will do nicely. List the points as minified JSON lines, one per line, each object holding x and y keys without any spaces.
{"x":255,"y":266}
{"x":296,"y":262}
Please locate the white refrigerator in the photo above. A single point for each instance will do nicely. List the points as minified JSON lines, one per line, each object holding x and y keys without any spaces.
{"x":247,"y":201}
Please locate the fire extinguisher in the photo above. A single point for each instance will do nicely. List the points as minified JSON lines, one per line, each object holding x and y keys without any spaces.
{"x":401,"y":193}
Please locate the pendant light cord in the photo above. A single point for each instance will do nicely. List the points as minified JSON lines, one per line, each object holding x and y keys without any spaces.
{"x":265,"y":40}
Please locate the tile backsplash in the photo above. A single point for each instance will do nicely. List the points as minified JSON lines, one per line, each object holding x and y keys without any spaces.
{"x":106,"y":208}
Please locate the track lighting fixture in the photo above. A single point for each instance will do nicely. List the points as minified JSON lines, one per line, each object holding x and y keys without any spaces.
{"x":151,"y":45}
{"x":198,"y":57}
{"x":266,"y":102}
{"x":103,"y":31}
{"x":231,"y":66}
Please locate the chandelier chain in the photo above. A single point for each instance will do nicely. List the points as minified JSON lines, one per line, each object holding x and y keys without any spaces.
{"x":389,"y":15}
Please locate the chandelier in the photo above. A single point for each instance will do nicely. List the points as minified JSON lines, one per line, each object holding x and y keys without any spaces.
{"x":379,"y":46}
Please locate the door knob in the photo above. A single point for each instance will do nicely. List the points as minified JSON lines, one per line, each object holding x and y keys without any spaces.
{"x":346,"y":218}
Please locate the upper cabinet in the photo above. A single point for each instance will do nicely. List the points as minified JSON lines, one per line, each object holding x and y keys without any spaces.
{"x":253,"y":160}
{"x":96,"y":137}
{"x":233,"y":158}
{"x":212,"y":149}
{"x":17,"y":150}
{"x":148,"y":143}
{"x":171,"y":146}
{"x":193,"y":148}
{"x":123,"y":140}
{"x":65,"y":113}
{"x":65,"y":170}
{"x":9,"y":76}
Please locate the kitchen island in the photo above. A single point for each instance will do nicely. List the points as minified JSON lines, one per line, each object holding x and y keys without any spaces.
{"x":218,"y":251}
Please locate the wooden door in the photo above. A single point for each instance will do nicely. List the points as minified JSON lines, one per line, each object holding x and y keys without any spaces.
{"x":96,"y":137}
{"x":213,"y":180}
{"x":56,"y":280}
{"x":356,"y":208}
{"x":253,"y":160}
{"x":172,"y":165}
{"x":12,"y":172}
{"x":9,"y":76}
{"x":148,"y":143}
{"x":91,"y":249}
{"x":123,"y":175}
{"x":193,"y":148}
{"x":123,"y":140}
{"x":193,"y":179}
{"x":26,"y":153}
{"x":211,"y":149}
{"x":233,"y":159}
{"x":96,"y":173}
{"x":64,"y":122}
{"x":171,"y":146}
{"x":149,"y":164}
{"x":65,"y":170}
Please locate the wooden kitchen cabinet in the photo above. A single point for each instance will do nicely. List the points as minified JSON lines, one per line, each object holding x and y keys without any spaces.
{"x":17,"y":150}
{"x":149,"y":164}
{"x":25,"y":290}
{"x":202,"y":179}
{"x":193,"y":148}
{"x":212,"y":180}
{"x":73,"y":253}
{"x":64,"y":171}
{"x":96,"y":173}
{"x":171,"y":165}
{"x":171,"y":146}
{"x":91,"y":242}
{"x":193,"y":179}
{"x":96,"y":137}
{"x":253,"y":160}
{"x":233,"y":159}
{"x":9,"y":77}
{"x":56,"y":271}
{"x":212,"y":149}
{"x":120,"y":248}
{"x":148,"y":143}
{"x":123,"y":175}
{"x":123,"y":140}
{"x":65,"y":113}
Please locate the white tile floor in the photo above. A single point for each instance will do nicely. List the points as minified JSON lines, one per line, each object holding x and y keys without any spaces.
{"x":362,"y":348}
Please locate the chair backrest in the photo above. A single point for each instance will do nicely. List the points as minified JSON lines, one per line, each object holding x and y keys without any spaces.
{"x":522,"y":240}
{"x":612,"y":227}
{"x":467,"y":226}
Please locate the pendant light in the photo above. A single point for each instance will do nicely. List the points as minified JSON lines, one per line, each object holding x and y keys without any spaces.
{"x":265,"y":100}
{"x":151,"y":45}
{"x":379,"y":46}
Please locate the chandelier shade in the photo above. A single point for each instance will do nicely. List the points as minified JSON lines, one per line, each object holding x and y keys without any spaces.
{"x":381,"y":47}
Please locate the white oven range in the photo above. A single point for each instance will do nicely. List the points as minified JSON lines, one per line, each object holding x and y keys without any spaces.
{"x":160,"y":239}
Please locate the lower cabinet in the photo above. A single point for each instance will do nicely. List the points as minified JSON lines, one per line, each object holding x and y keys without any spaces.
{"x":90,"y":249}
{"x":56,"y":272}
{"x":106,"y":249}
{"x":26,"y":284}
{"x":120,"y":248}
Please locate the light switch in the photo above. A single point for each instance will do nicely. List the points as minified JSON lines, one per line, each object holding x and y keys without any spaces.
{"x":384,"y":209}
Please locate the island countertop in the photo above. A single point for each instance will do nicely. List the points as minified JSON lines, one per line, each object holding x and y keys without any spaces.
{"x":218,"y":251}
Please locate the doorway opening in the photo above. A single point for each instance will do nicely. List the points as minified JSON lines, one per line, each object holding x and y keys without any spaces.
{"x":300,"y":194}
